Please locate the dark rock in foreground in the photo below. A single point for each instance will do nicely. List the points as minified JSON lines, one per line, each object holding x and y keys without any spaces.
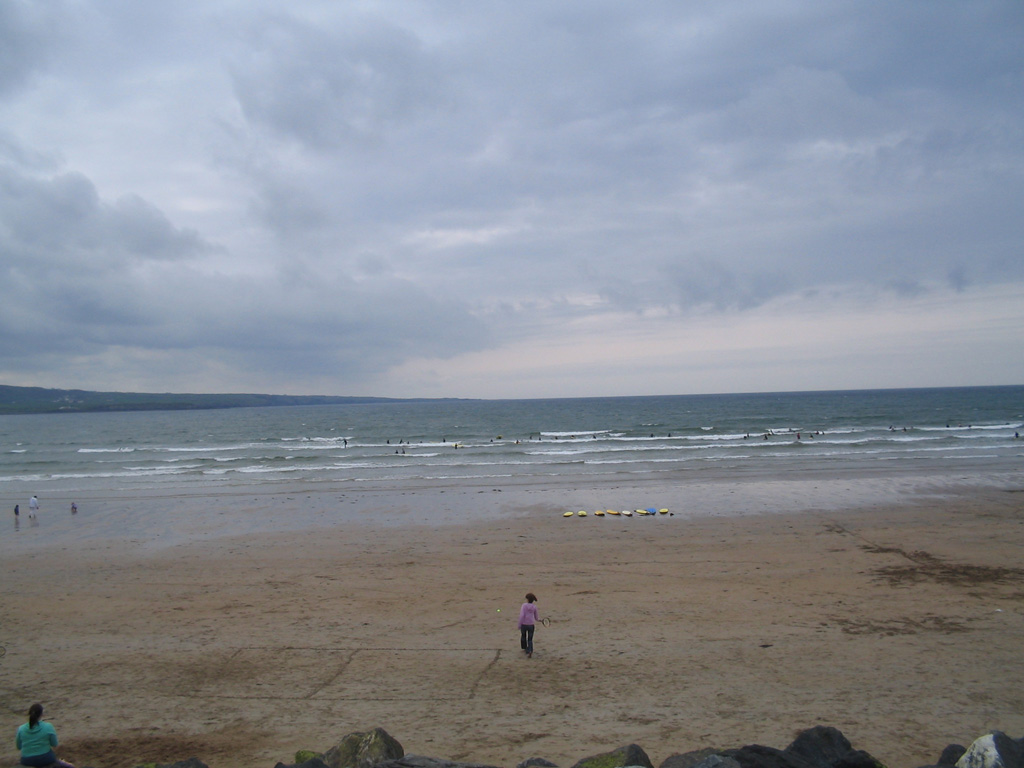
{"x":693,"y":759}
{"x":825,"y":747}
{"x":418,"y":761}
{"x":758,"y":756}
{"x":951,"y":754}
{"x":818,"y":747}
{"x":822,"y":745}
{"x":718,"y":761}
{"x":618,"y":758}
{"x":363,"y":750}
{"x":536,"y":762}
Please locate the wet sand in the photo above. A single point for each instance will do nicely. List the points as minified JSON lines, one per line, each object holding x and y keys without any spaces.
{"x":899,"y":623}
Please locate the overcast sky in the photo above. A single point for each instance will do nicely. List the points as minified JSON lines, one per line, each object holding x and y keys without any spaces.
{"x":511,"y":199}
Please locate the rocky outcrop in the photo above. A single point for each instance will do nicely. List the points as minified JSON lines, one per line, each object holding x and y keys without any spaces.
{"x":818,"y":747}
{"x":825,"y":747}
{"x":622,"y":757}
{"x":718,"y":761}
{"x":418,"y":761}
{"x":536,"y":762}
{"x":993,"y":750}
{"x":758,"y":756}
{"x":363,"y":750}
{"x":695,"y":758}
{"x":951,"y":754}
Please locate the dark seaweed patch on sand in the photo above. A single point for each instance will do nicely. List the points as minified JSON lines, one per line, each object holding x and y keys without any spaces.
{"x":904,"y":626}
{"x":923,"y":566}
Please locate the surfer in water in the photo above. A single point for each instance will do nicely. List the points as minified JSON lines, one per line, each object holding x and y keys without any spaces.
{"x":528,"y":619}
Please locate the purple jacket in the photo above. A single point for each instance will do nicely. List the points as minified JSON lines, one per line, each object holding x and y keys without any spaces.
{"x":528,"y":615}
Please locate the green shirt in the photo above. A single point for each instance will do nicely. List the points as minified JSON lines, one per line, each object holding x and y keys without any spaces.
{"x":36,"y":741}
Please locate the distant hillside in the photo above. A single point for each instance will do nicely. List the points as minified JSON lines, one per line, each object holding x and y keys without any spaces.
{"x":40,"y":400}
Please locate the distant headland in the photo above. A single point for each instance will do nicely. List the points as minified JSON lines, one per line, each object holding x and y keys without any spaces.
{"x":14,"y":400}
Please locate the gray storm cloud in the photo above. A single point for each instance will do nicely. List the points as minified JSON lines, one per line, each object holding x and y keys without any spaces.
{"x":246,"y":190}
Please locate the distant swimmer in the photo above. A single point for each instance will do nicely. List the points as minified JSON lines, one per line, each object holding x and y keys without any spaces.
{"x":74,"y":508}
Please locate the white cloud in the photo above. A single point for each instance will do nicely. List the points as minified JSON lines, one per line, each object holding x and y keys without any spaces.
{"x":832,"y":340}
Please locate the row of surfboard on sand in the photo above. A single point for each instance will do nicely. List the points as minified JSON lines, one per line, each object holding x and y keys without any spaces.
{"x":623,"y":513}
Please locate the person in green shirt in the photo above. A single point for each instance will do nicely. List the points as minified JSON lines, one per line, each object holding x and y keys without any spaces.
{"x":36,"y":741}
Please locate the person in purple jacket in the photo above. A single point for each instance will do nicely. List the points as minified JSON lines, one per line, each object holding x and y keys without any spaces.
{"x":528,"y":618}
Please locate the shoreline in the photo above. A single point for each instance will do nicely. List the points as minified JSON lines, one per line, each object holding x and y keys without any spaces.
{"x":897,"y":623}
{"x":173,"y":516}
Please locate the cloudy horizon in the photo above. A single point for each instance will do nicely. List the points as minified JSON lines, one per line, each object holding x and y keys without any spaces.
{"x":493,"y":200}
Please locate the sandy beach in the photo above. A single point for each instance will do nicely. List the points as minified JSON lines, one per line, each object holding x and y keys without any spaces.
{"x":899,"y":623}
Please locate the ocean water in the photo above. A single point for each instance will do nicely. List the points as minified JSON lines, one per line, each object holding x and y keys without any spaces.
{"x":672,"y":439}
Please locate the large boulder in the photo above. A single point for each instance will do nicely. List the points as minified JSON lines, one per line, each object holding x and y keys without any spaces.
{"x":536,"y":762}
{"x":364,"y":750}
{"x":758,"y":756}
{"x":993,"y":750}
{"x":825,"y":747}
{"x":622,"y":757}
{"x":717,"y":761}
{"x":820,"y":746}
{"x":418,"y":761}
{"x":858,"y":758}
{"x":690,"y":759}
{"x":951,"y":754}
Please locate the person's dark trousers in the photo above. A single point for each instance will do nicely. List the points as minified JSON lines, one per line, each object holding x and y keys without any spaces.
{"x":526,"y":637}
